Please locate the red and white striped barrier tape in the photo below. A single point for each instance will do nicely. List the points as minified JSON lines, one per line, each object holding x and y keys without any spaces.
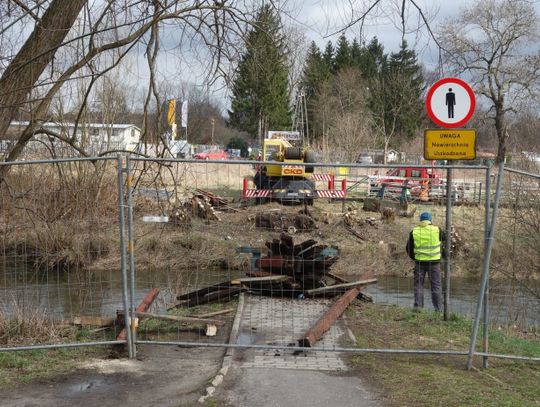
{"x":322,"y":177}
{"x":257,"y":193}
{"x":337,"y":193}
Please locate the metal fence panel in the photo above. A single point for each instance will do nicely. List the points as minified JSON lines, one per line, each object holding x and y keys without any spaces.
{"x":195,"y":232}
{"x":60,"y":278}
{"x":196,"y":226}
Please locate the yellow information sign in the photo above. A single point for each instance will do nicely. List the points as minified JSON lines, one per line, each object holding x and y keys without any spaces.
{"x":450,"y":144}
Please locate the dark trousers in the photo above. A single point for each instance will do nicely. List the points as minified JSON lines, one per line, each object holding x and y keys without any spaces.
{"x":433,"y":269}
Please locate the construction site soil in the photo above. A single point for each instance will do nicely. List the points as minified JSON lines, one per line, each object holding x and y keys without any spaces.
{"x":367,"y":241}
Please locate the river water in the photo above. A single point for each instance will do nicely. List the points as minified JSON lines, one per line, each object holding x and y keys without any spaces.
{"x":508,"y":303}
{"x":64,"y":295}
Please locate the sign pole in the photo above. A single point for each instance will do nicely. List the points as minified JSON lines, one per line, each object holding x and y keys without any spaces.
{"x":450,"y":103}
{"x":448,"y":243}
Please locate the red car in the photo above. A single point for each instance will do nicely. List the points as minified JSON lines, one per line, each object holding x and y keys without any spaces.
{"x":214,"y":154}
{"x":414,"y":177}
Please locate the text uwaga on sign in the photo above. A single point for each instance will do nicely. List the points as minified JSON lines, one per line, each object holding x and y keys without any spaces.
{"x":444,"y":144}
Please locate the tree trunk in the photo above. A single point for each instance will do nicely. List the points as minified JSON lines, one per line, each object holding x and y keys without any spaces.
{"x":23,"y":72}
{"x":502,"y":134}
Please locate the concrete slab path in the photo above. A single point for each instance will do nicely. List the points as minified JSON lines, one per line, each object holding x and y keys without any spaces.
{"x":274,"y":378}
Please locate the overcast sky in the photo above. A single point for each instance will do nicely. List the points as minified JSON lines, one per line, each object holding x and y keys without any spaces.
{"x":323,"y":18}
{"x":322,"y":21}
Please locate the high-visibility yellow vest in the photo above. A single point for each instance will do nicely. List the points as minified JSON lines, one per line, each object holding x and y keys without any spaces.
{"x":427,"y":245}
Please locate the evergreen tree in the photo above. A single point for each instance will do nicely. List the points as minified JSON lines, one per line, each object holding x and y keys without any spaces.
{"x":342,"y":58}
{"x":314,"y":70}
{"x":372,"y":59}
{"x":395,"y":94}
{"x":260,"y":98}
{"x":328,"y":57}
{"x":356,"y":53}
{"x":404,"y":64}
{"x":315,"y":73}
{"x":238,"y":143}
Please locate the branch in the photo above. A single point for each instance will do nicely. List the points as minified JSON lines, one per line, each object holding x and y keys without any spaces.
{"x":356,"y":21}
{"x":58,"y":136}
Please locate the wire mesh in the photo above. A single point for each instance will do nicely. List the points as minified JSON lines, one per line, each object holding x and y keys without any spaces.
{"x":200,"y":236}
{"x":203,"y":238}
{"x":59,"y":275}
{"x":515,"y":266}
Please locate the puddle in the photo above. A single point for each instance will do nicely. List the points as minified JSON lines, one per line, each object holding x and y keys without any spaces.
{"x":246,"y":338}
{"x":97,"y":383}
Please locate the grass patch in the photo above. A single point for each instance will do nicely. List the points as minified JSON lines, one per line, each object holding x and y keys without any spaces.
{"x":40,"y":364}
{"x":422,"y":380}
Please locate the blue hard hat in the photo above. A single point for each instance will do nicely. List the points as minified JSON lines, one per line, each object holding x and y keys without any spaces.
{"x":426,"y":216}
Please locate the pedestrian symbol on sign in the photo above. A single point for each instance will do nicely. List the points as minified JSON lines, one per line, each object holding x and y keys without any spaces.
{"x":450,"y":102}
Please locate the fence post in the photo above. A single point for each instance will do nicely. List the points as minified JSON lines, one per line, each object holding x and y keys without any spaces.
{"x":448,"y":243}
{"x":131,"y":252}
{"x":121,"y":216}
{"x":485,"y":271}
{"x":485,"y":338}
{"x":344,"y":189}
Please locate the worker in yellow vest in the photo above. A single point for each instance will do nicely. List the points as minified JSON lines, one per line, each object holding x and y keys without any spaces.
{"x":424,"y":247}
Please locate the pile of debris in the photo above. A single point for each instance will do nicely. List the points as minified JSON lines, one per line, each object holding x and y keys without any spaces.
{"x":202,"y":204}
{"x":357,"y":225}
{"x":306,"y":263}
{"x":401,"y":209}
{"x":288,"y":270}
{"x":290,"y":222}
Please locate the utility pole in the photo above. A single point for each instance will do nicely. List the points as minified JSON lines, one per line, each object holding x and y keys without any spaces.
{"x":213,"y":127}
{"x":300,"y":117}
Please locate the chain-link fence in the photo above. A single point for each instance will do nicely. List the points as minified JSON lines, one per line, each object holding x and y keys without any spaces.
{"x":224,"y":235}
{"x":515,"y":266}
{"x":59,"y":233}
{"x":211,"y":248}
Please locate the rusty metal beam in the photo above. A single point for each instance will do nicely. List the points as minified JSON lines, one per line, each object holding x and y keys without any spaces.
{"x":143,"y":306}
{"x":327,"y":320}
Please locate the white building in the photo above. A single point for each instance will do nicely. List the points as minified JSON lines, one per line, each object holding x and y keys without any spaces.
{"x":93,"y":137}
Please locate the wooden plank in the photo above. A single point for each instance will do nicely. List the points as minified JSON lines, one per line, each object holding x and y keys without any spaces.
{"x":304,"y":245}
{"x":335,"y":287}
{"x":211,"y":330}
{"x":355,"y":233}
{"x":273,"y":278}
{"x":339,"y":279}
{"x":142,"y":307}
{"x":314,"y":333}
{"x":214,"y":314}
{"x":270,"y":262}
{"x":177,"y":318}
{"x":212,"y":196}
{"x":260,"y":274}
{"x":362,"y":296}
{"x":216,"y":296}
{"x":203,"y":291}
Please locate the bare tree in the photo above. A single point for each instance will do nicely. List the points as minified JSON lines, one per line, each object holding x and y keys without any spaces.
{"x":343,"y":115}
{"x":88,"y":39}
{"x":494,"y":42}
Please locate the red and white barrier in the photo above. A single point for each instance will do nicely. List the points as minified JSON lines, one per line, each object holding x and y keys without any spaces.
{"x":336,"y":193}
{"x":329,"y":193}
{"x":322,"y":177}
{"x":257,"y":193}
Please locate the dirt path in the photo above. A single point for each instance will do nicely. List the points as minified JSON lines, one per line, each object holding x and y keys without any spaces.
{"x":169,"y":376}
{"x":162,"y":376}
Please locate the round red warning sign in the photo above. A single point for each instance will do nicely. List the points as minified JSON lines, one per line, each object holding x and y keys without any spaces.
{"x":450,"y":103}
